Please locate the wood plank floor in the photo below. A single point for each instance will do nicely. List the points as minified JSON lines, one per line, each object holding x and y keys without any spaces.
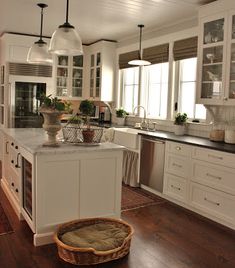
{"x":165,"y":236}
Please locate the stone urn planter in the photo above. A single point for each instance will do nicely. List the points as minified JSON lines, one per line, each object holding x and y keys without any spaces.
{"x":51,"y":125}
{"x":120,"y":121}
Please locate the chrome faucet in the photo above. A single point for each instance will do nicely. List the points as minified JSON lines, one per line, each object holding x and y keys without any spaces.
{"x":143,"y":122}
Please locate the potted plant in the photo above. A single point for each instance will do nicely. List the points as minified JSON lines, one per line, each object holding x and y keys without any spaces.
{"x":51,"y":108}
{"x":180,"y":123}
{"x":87,"y":108}
{"x":121,"y":115}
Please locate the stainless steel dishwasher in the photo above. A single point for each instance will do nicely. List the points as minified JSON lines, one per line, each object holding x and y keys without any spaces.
{"x":152,"y":163}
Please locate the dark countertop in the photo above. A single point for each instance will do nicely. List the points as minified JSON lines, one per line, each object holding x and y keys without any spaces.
{"x":192,"y":140}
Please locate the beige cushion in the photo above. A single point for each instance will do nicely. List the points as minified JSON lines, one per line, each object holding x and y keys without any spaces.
{"x":99,"y":236}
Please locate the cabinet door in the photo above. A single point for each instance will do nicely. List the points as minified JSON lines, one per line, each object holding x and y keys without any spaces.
{"x":212,"y":60}
{"x":95,"y":76}
{"x":62,"y":71}
{"x":77,"y":76}
{"x":230,"y":93}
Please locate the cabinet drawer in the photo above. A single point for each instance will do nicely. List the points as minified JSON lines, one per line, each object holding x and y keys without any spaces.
{"x":218,"y":177}
{"x":15,"y":185}
{"x":178,"y":148}
{"x":213,"y":202}
{"x":214,"y":157}
{"x":175,"y":187}
{"x":177,"y":165}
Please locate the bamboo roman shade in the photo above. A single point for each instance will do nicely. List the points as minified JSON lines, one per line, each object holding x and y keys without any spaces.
{"x":186,"y":48}
{"x":126,"y":57}
{"x":156,"y":54}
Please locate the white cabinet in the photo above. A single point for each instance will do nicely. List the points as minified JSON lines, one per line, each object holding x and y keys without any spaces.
{"x":11,"y":169}
{"x":177,"y":171}
{"x":101,"y":69}
{"x":216,"y":54}
{"x":202,"y":180}
{"x":15,"y":47}
{"x":68,"y":73}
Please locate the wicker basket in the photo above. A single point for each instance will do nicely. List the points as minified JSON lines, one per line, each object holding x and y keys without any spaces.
{"x":90,"y":256}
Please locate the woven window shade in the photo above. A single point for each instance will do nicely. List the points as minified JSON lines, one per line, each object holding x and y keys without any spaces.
{"x":126,"y":57}
{"x":156,"y":54}
{"x":185,"y":49}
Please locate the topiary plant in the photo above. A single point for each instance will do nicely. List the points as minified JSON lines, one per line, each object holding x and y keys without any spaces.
{"x":180,"y":118}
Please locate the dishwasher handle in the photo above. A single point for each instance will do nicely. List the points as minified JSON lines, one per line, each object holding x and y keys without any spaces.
{"x":153,"y":140}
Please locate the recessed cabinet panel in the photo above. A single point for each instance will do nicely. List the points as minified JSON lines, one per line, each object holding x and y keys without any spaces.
{"x":214,"y":31}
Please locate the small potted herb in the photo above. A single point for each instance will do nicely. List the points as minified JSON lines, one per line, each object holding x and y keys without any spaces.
{"x":120,"y":116}
{"x":180,"y":123}
{"x":87,"y":109}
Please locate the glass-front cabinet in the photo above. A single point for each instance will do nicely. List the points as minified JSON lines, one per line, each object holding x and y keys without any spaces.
{"x":2,"y":94}
{"x":95,"y":75}
{"x":216,"y":60}
{"x":69,"y":76}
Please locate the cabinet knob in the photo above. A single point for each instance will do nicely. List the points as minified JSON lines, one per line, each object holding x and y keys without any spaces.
{"x":17,"y":190}
{"x":16,"y":147}
{"x":12,"y":184}
{"x":12,"y":144}
{"x":12,"y":161}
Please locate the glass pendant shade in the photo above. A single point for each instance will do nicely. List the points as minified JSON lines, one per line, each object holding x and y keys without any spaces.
{"x":38,"y":53}
{"x":66,"y":41}
{"x":139,"y":61}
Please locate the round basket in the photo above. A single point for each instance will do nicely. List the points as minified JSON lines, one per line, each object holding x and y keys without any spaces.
{"x":90,"y":256}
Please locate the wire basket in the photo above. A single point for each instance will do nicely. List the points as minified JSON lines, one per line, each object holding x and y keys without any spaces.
{"x":82,"y":135}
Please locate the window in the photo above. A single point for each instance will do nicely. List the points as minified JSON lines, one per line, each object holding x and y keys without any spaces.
{"x":187,"y":89}
{"x":130,"y":88}
{"x":155,"y":90}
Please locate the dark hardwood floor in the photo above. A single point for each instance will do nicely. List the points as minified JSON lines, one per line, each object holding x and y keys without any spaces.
{"x":165,"y":236}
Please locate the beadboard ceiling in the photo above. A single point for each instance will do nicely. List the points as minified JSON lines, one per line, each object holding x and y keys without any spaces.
{"x":96,"y":19}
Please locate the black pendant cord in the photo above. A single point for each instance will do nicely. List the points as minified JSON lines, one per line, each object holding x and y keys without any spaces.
{"x":67,"y":13}
{"x":140,"y":48}
{"x":41,"y":25}
{"x":42,"y":6}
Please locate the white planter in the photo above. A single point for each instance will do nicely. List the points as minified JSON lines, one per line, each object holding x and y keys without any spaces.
{"x":179,"y":129}
{"x":120,"y":121}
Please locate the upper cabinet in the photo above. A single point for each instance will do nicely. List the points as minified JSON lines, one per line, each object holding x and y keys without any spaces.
{"x":101,"y":70}
{"x":216,"y":54}
{"x":69,"y":76}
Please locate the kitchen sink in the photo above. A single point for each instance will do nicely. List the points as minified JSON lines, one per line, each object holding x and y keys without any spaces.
{"x":127,"y":137}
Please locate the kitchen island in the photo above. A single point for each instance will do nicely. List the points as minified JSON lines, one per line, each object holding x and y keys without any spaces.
{"x":49,"y":186}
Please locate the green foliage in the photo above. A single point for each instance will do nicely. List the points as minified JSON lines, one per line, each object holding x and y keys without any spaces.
{"x":68,"y":107}
{"x":180,"y":119}
{"x":86,"y":107}
{"x":121,"y":112}
{"x":52,"y":103}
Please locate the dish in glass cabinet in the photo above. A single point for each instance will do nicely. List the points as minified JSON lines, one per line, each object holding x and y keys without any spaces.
{"x":210,"y":56}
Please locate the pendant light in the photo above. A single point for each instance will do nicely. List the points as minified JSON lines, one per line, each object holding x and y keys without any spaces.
{"x":139,"y":61}
{"x":38,"y":53}
{"x":65,"y":40}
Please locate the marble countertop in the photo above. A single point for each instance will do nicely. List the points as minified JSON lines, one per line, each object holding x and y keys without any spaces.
{"x":31,"y":139}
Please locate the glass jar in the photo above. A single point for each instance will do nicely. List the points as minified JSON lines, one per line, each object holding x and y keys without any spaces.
{"x":229,"y":136}
{"x":217,"y":132}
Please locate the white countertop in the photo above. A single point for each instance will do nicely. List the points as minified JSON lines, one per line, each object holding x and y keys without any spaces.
{"x":31,"y":139}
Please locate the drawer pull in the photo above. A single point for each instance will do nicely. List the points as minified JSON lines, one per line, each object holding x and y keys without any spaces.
{"x":177,"y":165}
{"x":213,"y":176}
{"x":178,"y":148}
{"x":212,"y":202}
{"x":215,"y":156}
{"x":174,"y":187}
{"x":17,"y":191}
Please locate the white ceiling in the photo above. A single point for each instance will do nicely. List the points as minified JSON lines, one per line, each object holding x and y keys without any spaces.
{"x":96,"y":19}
